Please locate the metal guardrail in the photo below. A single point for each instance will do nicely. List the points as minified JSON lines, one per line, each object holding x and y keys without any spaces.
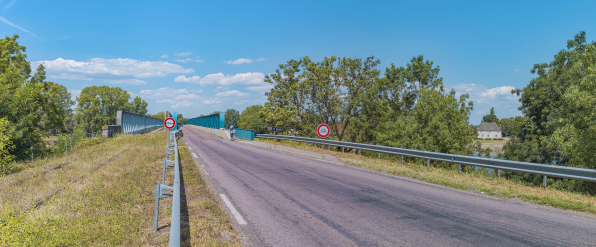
{"x":131,"y":123}
{"x":507,"y":165}
{"x":213,"y":121}
{"x":175,"y":220}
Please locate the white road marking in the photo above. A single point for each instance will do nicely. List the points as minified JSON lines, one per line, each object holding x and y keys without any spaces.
{"x":205,"y":171}
{"x":202,"y":166}
{"x":189,"y":147}
{"x":237,"y":215}
{"x":194,"y":155}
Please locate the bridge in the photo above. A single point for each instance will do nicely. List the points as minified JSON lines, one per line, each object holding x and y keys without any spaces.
{"x":281,"y":196}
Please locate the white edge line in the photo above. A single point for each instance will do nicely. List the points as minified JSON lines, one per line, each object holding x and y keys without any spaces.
{"x":194,"y":155}
{"x":205,"y":171}
{"x":189,"y":147}
{"x":237,"y":215}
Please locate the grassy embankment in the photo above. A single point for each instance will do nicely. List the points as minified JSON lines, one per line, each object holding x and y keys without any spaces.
{"x":103,"y":193}
{"x":482,"y":183}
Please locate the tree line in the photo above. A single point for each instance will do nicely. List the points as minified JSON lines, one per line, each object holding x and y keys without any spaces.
{"x":30,"y":106}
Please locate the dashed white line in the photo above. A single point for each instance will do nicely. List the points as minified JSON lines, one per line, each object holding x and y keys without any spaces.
{"x":237,"y":215}
{"x":194,"y":155}
{"x":189,"y":148}
{"x":205,"y":171}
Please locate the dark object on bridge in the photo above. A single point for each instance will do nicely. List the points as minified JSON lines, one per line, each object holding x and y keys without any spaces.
{"x":108,"y":131}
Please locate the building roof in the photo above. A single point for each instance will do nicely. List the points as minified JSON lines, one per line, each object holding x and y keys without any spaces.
{"x":489,"y":126}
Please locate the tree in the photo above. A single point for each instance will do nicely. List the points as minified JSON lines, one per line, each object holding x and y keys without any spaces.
{"x":329,"y":91}
{"x":252,"y":118}
{"x":180,"y":119}
{"x":491,"y":117}
{"x":215,"y":112}
{"x":98,"y":105}
{"x":138,"y":106}
{"x":560,"y":104}
{"x":232,"y":116}
{"x":160,"y":115}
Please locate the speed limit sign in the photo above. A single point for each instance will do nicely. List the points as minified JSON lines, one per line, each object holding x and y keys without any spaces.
{"x":169,"y":123}
{"x":323,"y":130}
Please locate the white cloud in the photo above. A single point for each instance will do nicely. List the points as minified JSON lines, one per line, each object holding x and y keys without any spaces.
{"x":199,"y":60}
{"x":164,"y":56}
{"x":516,"y":70}
{"x":10,"y":23}
{"x":184,"y":60}
{"x":129,"y":82}
{"x":260,"y":59}
{"x":178,"y":98}
{"x":239,"y":61}
{"x":250,"y":78}
{"x":197,"y":90}
{"x":195,"y":79}
{"x":234,"y":93}
{"x":182,"y":53}
{"x":212,"y":101}
{"x":504,"y":90}
{"x":100,"y":67}
{"x":260,"y":88}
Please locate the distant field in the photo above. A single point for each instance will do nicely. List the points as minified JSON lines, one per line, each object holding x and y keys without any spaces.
{"x":495,"y":145}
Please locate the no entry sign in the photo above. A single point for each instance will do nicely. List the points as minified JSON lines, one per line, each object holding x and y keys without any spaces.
{"x":323,"y":130}
{"x":169,"y":123}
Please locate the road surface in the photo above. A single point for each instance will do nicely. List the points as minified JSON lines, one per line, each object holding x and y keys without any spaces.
{"x":282,"y":199}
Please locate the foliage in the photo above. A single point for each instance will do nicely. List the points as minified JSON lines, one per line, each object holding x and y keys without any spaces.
{"x":181,"y":119}
{"x":517,"y":126}
{"x":232,"y":116}
{"x":6,"y":145}
{"x":406,"y":108}
{"x":138,"y":106}
{"x":98,"y":105}
{"x":560,"y":104}
{"x":491,"y":117}
{"x":160,"y":115}
{"x":29,"y":104}
{"x":252,"y":118}
{"x":215,"y":112}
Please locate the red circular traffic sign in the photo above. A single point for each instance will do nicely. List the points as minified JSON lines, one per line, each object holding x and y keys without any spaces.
{"x":323,"y":130}
{"x":169,"y":123}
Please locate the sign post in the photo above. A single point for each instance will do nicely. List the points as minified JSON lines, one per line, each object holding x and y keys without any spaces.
{"x":169,"y":123}
{"x":232,"y":131}
{"x":323,"y":131}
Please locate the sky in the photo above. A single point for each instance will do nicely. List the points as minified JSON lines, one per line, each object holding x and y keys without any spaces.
{"x":196,"y":57}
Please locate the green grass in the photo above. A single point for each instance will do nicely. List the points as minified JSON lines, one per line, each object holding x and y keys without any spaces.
{"x":102,"y":194}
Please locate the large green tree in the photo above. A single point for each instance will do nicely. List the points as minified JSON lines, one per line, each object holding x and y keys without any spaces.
{"x":138,"y":106}
{"x":560,"y":104}
{"x":491,"y":117}
{"x":29,"y":103}
{"x":232,"y":116}
{"x":98,"y":106}
{"x":252,"y":118}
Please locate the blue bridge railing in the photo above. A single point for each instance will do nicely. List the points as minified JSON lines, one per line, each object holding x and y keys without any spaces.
{"x":131,"y":123}
{"x":213,"y":121}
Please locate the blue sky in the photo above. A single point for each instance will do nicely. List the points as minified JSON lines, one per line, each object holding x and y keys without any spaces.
{"x":195,"y":58}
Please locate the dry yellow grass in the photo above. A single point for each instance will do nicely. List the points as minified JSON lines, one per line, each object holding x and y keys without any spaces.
{"x":102,"y":195}
{"x":474,"y":182}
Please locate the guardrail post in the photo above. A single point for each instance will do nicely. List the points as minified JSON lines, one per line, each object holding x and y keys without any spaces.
{"x":498,"y":173}
{"x":428,"y":163}
{"x":359,"y":152}
{"x":402,"y":159}
{"x":379,"y":155}
{"x":459,"y":168}
{"x":342,"y":149}
{"x":544,"y":181}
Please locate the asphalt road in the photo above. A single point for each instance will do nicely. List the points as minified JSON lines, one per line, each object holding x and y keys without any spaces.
{"x":292,"y":200}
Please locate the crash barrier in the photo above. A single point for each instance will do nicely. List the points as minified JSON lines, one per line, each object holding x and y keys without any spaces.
{"x":171,"y":153}
{"x":132,"y":123}
{"x":245,"y":134}
{"x":213,"y":121}
{"x":507,"y":165}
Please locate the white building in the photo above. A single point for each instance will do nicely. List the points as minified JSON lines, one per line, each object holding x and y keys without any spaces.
{"x":489,"y":130}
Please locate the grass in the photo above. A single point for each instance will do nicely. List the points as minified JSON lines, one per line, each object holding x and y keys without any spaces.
{"x":481,"y":183}
{"x":104,"y":194}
